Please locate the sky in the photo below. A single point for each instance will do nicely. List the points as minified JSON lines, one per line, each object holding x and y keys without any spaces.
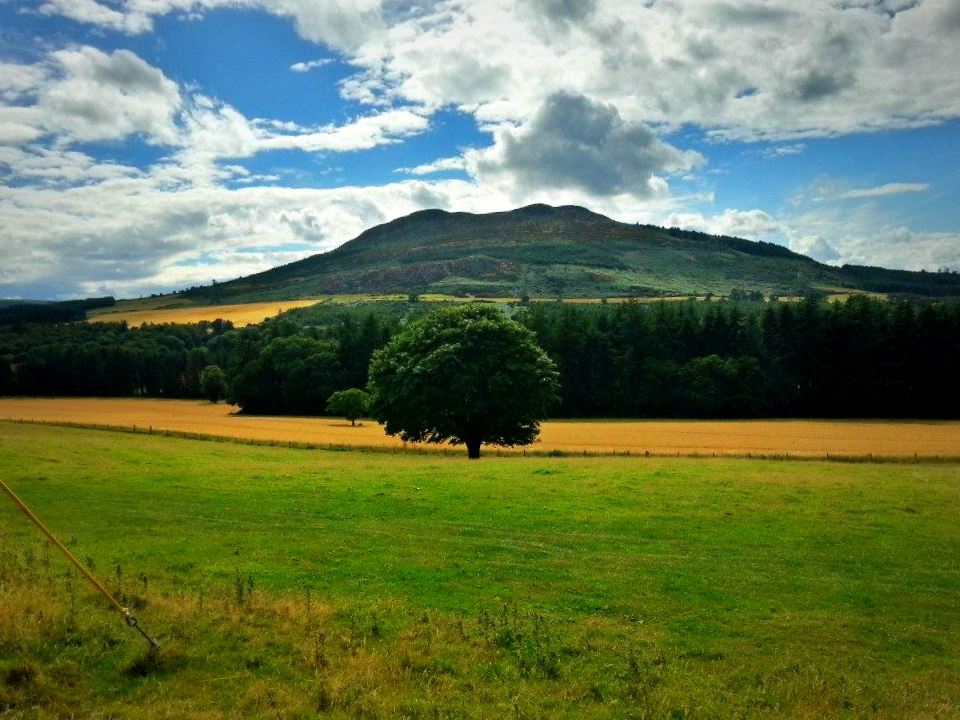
{"x":152,"y":145}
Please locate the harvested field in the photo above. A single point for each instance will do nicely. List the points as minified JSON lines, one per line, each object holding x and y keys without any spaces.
{"x":796,"y":438}
{"x":239,"y":314}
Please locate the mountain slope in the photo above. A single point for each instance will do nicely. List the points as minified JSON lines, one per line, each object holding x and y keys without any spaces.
{"x":541,"y":250}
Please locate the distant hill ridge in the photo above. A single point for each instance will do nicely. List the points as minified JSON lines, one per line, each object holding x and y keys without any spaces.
{"x":567,"y":251}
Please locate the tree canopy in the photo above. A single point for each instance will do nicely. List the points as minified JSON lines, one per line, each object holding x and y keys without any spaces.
{"x":213,"y":383}
{"x":467,"y":375}
{"x":293,"y":375}
{"x":351,"y":404}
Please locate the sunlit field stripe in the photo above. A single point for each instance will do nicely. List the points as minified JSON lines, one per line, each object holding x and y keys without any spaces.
{"x":791,"y":438}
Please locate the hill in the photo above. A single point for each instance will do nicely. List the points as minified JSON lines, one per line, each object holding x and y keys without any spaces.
{"x":567,"y":251}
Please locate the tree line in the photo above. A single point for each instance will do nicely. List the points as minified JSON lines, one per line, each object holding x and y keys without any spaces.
{"x":19,"y":314}
{"x":284,"y":365}
{"x":859,"y":358}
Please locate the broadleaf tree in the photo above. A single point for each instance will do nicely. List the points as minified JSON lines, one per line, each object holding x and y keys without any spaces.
{"x":213,"y":383}
{"x":465,"y":375}
{"x":290,"y":375}
{"x":351,"y":404}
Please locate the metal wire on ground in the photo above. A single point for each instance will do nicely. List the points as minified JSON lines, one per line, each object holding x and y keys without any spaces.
{"x":128,"y":617}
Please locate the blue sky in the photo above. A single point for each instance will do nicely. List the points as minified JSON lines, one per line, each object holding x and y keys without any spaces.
{"x":150,"y":145}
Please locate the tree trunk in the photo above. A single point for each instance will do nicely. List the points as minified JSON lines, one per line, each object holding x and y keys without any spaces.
{"x":473,"y":448}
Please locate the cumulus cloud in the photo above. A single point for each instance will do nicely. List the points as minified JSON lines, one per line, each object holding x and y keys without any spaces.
{"x":569,"y":92}
{"x":336,"y":23}
{"x":59,"y":166}
{"x":864,"y":234}
{"x":575,"y":142}
{"x":83,"y":94}
{"x":138,"y":235}
{"x":816,"y":247}
{"x":771,"y":70}
{"x":19,"y":125}
{"x":750,"y":224}
{"x":562,"y":11}
{"x":17,"y":80}
{"x":747,"y":70}
{"x":128,"y":231}
{"x":834,"y":237}
{"x":129,"y":20}
{"x":898,"y":246}
{"x":107,"y":96}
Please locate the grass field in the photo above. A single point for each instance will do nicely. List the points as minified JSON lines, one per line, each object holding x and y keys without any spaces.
{"x":296,"y":583}
{"x":800,"y":438}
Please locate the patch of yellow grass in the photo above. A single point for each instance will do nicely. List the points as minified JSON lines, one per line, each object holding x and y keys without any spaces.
{"x":800,"y":438}
{"x":239,"y":314}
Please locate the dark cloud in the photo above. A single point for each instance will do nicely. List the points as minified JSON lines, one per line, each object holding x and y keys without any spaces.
{"x":573,"y":142}
{"x":818,"y":84}
{"x":747,"y":13}
{"x":833,"y":61}
{"x":128,"y":72}
{"x":564,"y":10}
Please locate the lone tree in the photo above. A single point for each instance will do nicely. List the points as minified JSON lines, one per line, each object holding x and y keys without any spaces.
{"x":213,"y":383}
{"x":467,"y":375}
{"x":351,"y":404}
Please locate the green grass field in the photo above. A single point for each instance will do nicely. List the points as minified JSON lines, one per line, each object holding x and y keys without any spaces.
{"x":294,"y":583}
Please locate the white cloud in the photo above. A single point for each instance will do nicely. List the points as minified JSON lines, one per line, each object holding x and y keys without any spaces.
{"x":363,"y":133}
{"x":17,"y":80}
{"x":19,"y":125}
{"x":83,"y":94}
{"x":101,"y":96}
{"x":816,"y":247}
{"x":57,"y":166}
{"x":751,"y":70}
{"x":130,"y":232}
{"x":303,"y":67}
{"x":575,"y":95}
{"x":336,"y":23}
{"x":771,"y":70}
{"x":897,"y":246}
{"x":778,"y":151}
{"x":750,"y":224}
{"x":833,"y":237}
{"x":826,"y":190}
{"x":441,"y":165}
{"x":139,"y":235}
{"x":213,"y":131}
{"x":882,"y":191}
{"x":95,"y":13}
{"x":572,"y":142}
{"x":863,"y":234}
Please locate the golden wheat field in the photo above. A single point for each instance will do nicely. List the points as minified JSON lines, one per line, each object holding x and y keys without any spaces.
{"x":239,"y":314}
{"x":799,"y":438}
